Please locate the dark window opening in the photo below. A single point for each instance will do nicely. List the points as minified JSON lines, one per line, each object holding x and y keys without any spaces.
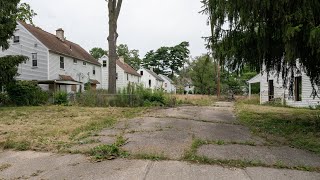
{"x":127,"y":77}
{"x":116,"y":76}
{"x":34,"y":60}
{"x":298,"y":88}
{"x":94,"y":70}
{"x":271,"y":90}
{"x":61,"y":62}
{"x":149,"y":83}
{"x":16,"y":39}
{"x":141,"y":73}
{"x":104,"y":63}
{"x":75,"y":61}
{"x":84,"y":63}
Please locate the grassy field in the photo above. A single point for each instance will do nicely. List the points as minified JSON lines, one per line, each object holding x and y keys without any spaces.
{"x":196,"y":100}
{"x":53,"y":128}
{"x":295,"y":127}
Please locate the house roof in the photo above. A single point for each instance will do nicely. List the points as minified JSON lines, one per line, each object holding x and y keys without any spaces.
{"x":166,"y":78}
{"x":93,"y":81}
{"x":255,"y":79}
{"x":54,"y":44}
{"x":127,"y":69}
{"x":66,"y":78}
{"x":154,"y":75}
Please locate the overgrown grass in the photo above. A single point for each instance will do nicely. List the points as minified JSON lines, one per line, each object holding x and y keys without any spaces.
{"x":55,"y":128}
{"x":296,"y":127}
{"x":152,"y":157}
{"x":196,"y":100}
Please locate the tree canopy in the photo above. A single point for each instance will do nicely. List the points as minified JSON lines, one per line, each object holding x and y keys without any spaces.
{"x":97,"y":52}
{"x":271,"y":33}
{"x":167,"y":60}
{"x":131,"y":57}
{"x":9,"y":68}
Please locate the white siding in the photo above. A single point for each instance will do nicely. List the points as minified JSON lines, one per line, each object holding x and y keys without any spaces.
{"x":29,"y":44}
{"x":280,"y":92}
{"x":78,"y":71}
{"x":167,"y":85}
{"x":123,"y":78}
{"x":146,"y":77}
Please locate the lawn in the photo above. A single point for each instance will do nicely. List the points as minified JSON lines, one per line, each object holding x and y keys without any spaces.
{"x":196,"y":100}
{"x":296,"y":127}
{"x":54,"y":128}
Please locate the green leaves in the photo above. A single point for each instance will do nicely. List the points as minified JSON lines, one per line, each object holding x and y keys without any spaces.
{"x":266,"y":33}
{"x":9,"y":68}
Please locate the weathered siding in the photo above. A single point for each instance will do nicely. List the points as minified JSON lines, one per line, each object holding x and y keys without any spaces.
{"x":280,"y":92}
{"x":155,"y":84}
{"x":77,"y":71}
{"x":29,"y":44}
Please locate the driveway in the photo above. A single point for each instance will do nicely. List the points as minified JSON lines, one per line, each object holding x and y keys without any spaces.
{"x":170,"y":133}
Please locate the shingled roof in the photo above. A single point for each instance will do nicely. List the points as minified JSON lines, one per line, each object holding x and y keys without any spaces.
{"x":127,"y":69}
{"x":54,"y":44}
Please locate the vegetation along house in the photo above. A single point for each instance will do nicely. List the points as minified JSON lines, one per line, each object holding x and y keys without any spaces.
{"x":168,"y":85}
{"x":54,"y":62}
{"x":271,"y":89}
{"x":125,"y":74}
{"x":150,"y":79}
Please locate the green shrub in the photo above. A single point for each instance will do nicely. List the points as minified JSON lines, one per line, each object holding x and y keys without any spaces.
{"x":61,"y":97}
{"x":4,"y":99}
{"x":27,"y":93}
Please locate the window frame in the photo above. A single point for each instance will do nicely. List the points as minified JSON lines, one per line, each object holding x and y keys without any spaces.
{"x":84,"y":63}
{"x":16,"y":40}
{"x":104,"y":63}
{"x":62,"y":64}
{"x":298,"y":88}
{"x":93,"y":70}
{"x":34,"y":57}
{"x":75,"y":61}
{"x":141,"y":73}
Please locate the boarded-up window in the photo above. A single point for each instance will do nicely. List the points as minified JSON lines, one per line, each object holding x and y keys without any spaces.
{"x":74,"y":88}
{"x":271,"y":90}
{"x":298,"y":88}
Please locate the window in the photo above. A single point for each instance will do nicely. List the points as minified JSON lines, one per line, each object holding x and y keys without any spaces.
{"x":127,"y":77}
{"x":165,"y":85}
{"x":104,"y":63}
{"x":298,"y":88}
{"x":150,"y":83}
{"x":34,"y":60}
{"x":61,"y":62}
{"x":75,"y":61}
{"x":93,"y":70}
{"x":116,"y":76}
{"x":141,"y":73}
{"x":16,"y":39}
{"x":84,"y":63}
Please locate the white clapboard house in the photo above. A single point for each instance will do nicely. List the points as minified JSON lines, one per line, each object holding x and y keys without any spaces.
{"x":54,"y":62}
{"x":150,"y":79}
{"x":125,"y":74}
{"x":168,"y":85}
{"x":271,"y":89}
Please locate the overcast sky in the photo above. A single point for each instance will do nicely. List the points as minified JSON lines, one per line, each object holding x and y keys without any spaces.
{"x":143,"y":24}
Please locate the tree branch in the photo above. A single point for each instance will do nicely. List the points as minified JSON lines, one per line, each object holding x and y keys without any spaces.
{"x":118,"y":9}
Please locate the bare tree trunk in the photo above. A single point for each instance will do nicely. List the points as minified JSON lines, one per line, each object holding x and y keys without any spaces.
{"x":114,"y":7}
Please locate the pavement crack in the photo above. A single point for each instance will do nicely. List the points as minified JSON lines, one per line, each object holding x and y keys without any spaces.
{"x":149,"y":166}
{"x":246,"y":173}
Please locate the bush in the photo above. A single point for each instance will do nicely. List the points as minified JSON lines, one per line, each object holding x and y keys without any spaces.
{"x":4,"y":99}
{"x":60,"y":97}
{"x":27,"y":93}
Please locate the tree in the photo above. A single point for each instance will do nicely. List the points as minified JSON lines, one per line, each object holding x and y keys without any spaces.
{"x":202,"y":73}
{"x":8,"y":17}
{"x":270,"y":33}
{"x":131,"y":57}
{"x":167,"y":60}
{"x":114,"y":7}
{"x":25,"y":13}
{"x":9,"y":68}
{"x":97,"y":53}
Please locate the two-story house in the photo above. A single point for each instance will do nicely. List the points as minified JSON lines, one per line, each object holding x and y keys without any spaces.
{"x":168,"y":85}
{"x":150,"y":79}
{"x":125,"y":74}
{"x":54,"y":62}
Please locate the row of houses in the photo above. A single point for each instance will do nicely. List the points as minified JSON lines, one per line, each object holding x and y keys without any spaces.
{"x":59,"y":64}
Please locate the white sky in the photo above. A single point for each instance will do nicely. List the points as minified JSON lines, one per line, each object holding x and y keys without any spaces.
{"x":143,"y":24}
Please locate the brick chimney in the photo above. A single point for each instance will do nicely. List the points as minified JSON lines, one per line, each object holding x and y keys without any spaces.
{"x":60,"y":34}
